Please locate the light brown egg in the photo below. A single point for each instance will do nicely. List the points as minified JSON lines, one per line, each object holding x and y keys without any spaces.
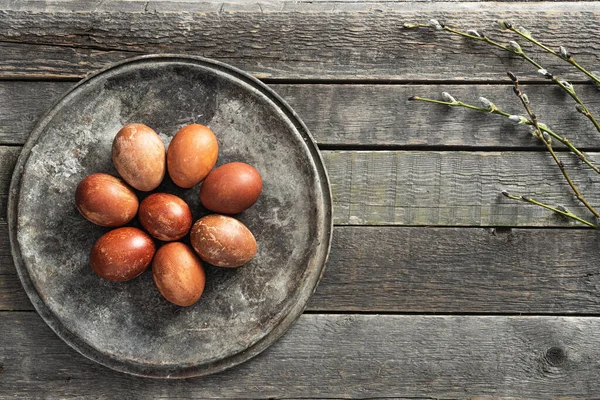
{"x":139,"y":156}
{"x":192,"y":155}
{"x":106,"y":200}
{"x":122,"y":254}
{"x":165,"y":216}
{"x":178,"y":274}
{"x":223,"y":241}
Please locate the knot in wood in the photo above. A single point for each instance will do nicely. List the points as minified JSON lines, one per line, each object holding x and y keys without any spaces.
{"x":556,"y":356}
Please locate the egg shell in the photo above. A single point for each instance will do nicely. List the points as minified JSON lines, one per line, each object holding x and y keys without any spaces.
{"x":122,"y":254}
{"x":139,"y":156}
{"x":106,"y":200}
{"x":165,"y":216}
{"x":223,"y":241}
{"x":178,"y":274}
{"x":192,"y":154}
{"x":231,"y":188}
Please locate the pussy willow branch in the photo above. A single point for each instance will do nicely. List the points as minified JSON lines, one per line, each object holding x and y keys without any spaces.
{"x":493,"y":109}
{"x":559,"y":210}
{"x":514,"y":48}
{"x":545,"y":138}
{"x":563,"y":54}
{"x":480,"y":37}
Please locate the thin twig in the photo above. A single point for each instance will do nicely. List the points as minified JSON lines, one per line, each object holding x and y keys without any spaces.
{"x":559,"y":210}
{"x":497,"y":111}
{"x":563,"y":54}
{"x":482,"y":38}
{"x":514,"y":48}
{"x":548,"y":143}
{"x":570,"y":90}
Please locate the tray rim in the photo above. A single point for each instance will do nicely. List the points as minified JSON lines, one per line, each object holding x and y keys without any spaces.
{"x":308,"y":284}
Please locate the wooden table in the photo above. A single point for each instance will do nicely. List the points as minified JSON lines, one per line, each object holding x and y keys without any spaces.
{"x":437,"y":286}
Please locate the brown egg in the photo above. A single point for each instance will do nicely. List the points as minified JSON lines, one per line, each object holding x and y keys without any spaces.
{"x":223,"y":241}
{"x":231,"y":188}
{"x":178,"y":274}
{"x":122,"y":254}
{"x":106,"y":200}
{"x":165,"y":216}
{"x":192,"y":154}
{"x":139,"y":156}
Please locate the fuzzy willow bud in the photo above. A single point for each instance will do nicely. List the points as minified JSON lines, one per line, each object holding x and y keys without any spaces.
{"x":562,"y":209}
{"x":448,"y":97}
{"x":524,"y":31}
{"x":567,"y":85}
{"x":546,"y":138}
{"x":514,"y":47}
{"x":435,"y":24}
{"x":504,"y":24}
{"x":473,"y":32}
{"x":519,"y":119}
{"x":487,"y":104}
{"x":544,"y":73}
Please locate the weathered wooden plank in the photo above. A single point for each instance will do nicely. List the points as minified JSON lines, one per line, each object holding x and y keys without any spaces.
{"x":23,"y":104}
{"x":374,"y":115}
{"x":188,"y":5}
{"x":6,"y":264}
{"x":8,"y":158}
{"x":437,"y":270}
{"x":340,"y":356}
{"x":12,"y":296}
{"x":434,"y":187}
{"x":454,"y":270}
{"x":293,"y":40}
{"x":34,"y":61}
{"x":380,"y":115}
{"x":452,"y":188}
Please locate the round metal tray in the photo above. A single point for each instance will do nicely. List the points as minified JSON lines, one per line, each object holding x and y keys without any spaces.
{"x":129,"y":326}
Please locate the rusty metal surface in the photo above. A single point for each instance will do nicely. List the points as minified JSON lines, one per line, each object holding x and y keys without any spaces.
{"x":129,"y":326}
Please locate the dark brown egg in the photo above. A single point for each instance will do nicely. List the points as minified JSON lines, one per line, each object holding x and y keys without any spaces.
{"x":231,"y":188}
{"x":165,"y":216}
{"x":192,"y":155}
{"x":178,"y":274}
{"x":139,"y":156}
{"x":223,"y":241}
{"x":106,"y":200}
{"x":122,"y":254}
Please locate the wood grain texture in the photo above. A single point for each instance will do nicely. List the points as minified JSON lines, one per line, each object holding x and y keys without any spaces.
{"x":381,"y":115}
{"x":23,"y":105}
{"x":372,"y":115}
{"x":6,"y":264}
{"x":8,"y":159}
{"x":187,"y":5}
{"x":436,"y":270}
{"x":442,"y":188}
{"x":339,"y":356}
{"x":457,"y":270}
{"x":452,"y":188}
{"x":291,"y":40}
{"x":12,"y":295}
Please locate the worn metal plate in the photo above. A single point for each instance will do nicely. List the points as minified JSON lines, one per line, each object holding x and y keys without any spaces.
{"x":129,"y":326}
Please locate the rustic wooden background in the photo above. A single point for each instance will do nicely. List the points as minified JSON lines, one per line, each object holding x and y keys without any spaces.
{"x":437,"y":286}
